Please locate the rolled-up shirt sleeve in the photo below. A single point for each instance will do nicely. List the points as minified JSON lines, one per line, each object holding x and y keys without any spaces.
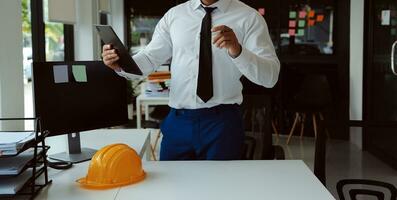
{"x":156,"y":53}
{"x":129,"y":76}
{"x":258,"y":60}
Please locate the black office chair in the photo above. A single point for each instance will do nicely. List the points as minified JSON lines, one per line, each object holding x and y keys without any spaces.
{"x":353,"y":193}
{"x":257,"y":109}
{"x":248,"y":148}
{"x":307,"y":95}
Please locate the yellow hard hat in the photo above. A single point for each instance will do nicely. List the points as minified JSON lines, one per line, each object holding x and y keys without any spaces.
{"x":113,"y":166}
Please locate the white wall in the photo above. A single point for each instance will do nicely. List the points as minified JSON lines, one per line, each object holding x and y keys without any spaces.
{"x":11,"y":62}
{"x":356,"y":59}
{"x":356,"y":66}
{"x":86,"y":40}
{"x":118,"y":18}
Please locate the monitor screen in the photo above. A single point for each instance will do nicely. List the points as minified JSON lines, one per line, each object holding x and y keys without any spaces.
{"x":78,"y":96}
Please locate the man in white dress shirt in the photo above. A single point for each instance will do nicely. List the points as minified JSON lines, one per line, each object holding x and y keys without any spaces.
{"x":212,"y":44}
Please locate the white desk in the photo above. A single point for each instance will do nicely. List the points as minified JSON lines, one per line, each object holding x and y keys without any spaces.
{"x":64,"y":184}
{"x":233,"y":180}
{"x":146,"y":101}
{"x":203,"y":180}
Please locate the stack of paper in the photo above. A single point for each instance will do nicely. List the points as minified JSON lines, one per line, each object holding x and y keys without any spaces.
{"x":14,"y":165}
{"x":12,"y":142}
{"x":158,"y":84}
{"x":11,"y":185}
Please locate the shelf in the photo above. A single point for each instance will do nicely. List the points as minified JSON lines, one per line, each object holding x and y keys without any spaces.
{"x":25,"y":189}
{"x":27,"y":145}
{"x":34,"y":168}
{"x":29,"y":163}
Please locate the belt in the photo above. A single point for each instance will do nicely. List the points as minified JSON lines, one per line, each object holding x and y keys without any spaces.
{"x":205,"y":111}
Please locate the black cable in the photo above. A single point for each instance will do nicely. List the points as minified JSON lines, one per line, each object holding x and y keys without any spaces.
{"x":59,"y":165}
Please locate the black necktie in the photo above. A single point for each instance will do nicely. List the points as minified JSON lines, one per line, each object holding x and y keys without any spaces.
{"x":205,"y":85}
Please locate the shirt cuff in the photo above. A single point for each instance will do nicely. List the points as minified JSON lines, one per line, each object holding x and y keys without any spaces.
{"x":243,"y":59}
{"x":126,"y":75}
{"x":143,"y":63}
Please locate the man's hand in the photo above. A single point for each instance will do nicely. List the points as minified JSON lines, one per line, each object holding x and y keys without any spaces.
{"x":227,"y":39}
{"x":110,"y":57}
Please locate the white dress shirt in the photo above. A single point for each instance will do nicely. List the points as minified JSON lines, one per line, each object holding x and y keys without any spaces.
{"x":177,"y":37}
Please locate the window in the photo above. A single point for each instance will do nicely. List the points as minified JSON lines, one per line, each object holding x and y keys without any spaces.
{"x":142,"y":18}
{"x":142,"y":29}
{"x":54,"y":38}
{"x":27,"y":62}
{"x":27,"y":40}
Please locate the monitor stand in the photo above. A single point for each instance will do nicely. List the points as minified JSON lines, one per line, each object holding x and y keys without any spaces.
{"x":76,"y":154}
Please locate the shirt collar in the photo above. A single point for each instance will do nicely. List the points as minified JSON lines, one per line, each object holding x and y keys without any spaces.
{"x":222,"y":5}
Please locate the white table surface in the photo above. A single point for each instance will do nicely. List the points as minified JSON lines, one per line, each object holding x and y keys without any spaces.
{"x":202,"y":180}
{"x":187,"y":180}
{"x":229,"y":180}
{"x":64,"y":184}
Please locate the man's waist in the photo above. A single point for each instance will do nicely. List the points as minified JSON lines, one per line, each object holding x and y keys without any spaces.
{"x":205,"y":111}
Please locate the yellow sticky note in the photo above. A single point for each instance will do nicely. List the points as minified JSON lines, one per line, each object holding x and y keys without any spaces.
{"x":79,"y":73}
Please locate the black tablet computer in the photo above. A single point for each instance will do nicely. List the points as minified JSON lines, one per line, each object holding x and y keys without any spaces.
{"x":108,"y":36}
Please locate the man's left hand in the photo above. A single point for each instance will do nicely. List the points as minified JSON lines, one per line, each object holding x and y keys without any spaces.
{"x":227,"y":39}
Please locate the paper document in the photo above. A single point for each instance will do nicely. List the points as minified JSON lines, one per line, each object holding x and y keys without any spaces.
{"x":14,"y":165}
{"x":14,"y":137}
{"x":12,"y":142}
{"x":61,"y":74}
{"x":385,"y":17}
{"x":11,"y":185}
{"x":79,"y":73}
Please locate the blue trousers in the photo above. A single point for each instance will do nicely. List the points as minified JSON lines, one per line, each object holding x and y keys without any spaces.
{"x":203,"y":134}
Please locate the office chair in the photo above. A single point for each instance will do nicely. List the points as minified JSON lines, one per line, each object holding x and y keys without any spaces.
{"x":257,"y":109}
{"x":307,"y":95}
{"x":248,"y":148}
{"x":353,"y":193}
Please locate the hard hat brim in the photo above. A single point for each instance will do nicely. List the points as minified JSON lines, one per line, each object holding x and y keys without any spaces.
{"x":100,"y":186}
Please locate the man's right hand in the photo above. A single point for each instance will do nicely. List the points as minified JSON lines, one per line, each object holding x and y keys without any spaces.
{"x":110,"y":57}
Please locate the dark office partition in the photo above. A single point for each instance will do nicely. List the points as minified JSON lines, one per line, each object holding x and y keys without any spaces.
{"x":380,"y":83}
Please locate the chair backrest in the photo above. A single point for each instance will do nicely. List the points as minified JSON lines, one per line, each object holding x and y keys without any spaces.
{"x":308,"y":84}
{"x":353,"y":193}
{"x":309,"y":89}
{"x":248,"y":148}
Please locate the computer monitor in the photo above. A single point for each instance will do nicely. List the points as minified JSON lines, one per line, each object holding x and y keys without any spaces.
{"x":70,"y":97}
